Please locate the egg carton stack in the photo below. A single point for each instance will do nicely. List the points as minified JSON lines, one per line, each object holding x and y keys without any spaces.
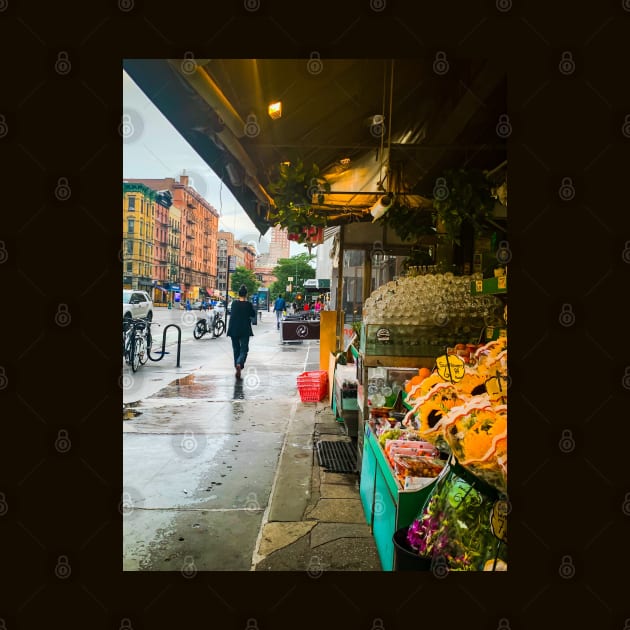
{"x":421,"y":315}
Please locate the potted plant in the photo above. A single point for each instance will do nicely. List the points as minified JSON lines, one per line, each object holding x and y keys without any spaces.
{"x":293,"y":191}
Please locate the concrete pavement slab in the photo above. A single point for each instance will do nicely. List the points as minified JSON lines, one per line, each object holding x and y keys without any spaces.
{"x":293,"y":557}
{"x":205,"y":471}
{"x":292,"y":490}
{"x":337,"y":491}
{"x":159,"y":415}
{"x":326,"y":532}
{"x":169,"y":540}
{"x":337,"y":511}
{"x":349,"y":479}
{"x":278,"y":535}
{"x":348,"y":554}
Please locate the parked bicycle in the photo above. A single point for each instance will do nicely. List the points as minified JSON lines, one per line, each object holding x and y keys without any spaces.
{"x":137,"y":341}
{"x":211,"y":324}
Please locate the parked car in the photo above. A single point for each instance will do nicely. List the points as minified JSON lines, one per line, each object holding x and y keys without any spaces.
{"x":137,"y":304}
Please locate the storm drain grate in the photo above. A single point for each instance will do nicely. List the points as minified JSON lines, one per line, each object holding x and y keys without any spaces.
{"x":337,"y":456}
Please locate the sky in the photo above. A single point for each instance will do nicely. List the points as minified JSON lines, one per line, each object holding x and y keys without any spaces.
{"x":153,"y":148}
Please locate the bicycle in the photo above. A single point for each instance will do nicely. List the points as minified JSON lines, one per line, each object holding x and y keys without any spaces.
{"x":137,"y":342}
{"x":214,"y":324}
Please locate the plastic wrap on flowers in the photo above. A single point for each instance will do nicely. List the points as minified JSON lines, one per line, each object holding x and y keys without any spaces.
{"x":469,"y":416}
{"x":463,"y":523}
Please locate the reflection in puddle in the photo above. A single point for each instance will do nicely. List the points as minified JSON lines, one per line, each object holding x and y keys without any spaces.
{"x":238,"y":390}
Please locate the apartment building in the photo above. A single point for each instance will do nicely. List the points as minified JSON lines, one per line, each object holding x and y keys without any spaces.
{"x":225,"y":248}
{"x":139,"y":202}
{"x":198,"y":230}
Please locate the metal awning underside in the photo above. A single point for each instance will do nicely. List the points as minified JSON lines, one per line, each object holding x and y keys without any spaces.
{"x":436,"y":121}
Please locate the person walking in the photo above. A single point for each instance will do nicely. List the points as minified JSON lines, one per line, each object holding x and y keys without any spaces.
{"x":240,"y":328}
{"x":278,"y":307}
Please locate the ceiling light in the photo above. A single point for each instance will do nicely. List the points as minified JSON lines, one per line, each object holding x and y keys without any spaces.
{"x":275,"y":109}
{"x":345,"y":161}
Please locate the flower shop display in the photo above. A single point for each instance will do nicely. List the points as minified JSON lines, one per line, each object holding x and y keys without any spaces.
{"x":455,"y":526}
{"x":463,"y":520}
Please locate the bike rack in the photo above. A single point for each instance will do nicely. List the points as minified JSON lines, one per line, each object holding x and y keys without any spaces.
{"x":179,"y":344}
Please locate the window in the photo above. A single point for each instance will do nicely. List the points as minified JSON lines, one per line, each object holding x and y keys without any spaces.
{"x":129,"y":267}
{"x":132,"y":204}
{"x":130,"y":247}
{"x":130,"y":226}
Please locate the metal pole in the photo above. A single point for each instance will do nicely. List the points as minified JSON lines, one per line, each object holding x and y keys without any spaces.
{"x":340,"y":313}
{"x":227,"y":290}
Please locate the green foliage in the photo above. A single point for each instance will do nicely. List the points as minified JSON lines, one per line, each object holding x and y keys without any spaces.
{"x":468,"y":199}
{"x":297,"y":266}
{"x":409,"y":223}
{"x":243,"y":275}
{"x":292,"y":192}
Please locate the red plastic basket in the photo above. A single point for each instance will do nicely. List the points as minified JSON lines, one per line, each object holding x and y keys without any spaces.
{"x":313,"y":386}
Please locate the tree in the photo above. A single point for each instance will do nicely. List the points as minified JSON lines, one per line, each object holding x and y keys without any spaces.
{"x":243,"y":275}
{"x":298,"y":267}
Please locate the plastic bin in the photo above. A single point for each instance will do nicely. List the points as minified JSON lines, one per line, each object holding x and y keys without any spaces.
{"x":313,"y":386}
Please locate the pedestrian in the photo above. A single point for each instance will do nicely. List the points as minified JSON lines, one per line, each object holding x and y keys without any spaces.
{"x":306,"y":306}
{"x":318,"y":305}
{"x":240,"y":328}
{"x":278,"y":307}
{"x":188,"y":307}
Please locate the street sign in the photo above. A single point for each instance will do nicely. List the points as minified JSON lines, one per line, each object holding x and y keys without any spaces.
{"x":231,"y":263}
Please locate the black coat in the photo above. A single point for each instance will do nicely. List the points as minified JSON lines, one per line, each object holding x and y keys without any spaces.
{"x":240,"y":323}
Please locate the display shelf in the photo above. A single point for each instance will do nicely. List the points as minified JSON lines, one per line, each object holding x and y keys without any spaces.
{"x":489,"y":286}
{"x":407,"y":341}
{"x":399,"y":362}
{"x":387,"y":506}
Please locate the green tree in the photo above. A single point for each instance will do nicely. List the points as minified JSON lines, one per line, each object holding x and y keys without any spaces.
{"x":243,"y":275}
{"x":298,"y":267}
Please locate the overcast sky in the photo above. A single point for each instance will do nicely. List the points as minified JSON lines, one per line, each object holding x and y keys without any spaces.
{"x":152,"y":148}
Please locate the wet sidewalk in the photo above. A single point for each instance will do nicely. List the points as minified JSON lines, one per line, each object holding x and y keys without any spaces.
{"x":221,"y":474}
{"x":325,"y":529}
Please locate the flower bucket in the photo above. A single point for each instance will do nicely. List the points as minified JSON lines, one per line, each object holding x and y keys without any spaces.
{"x":405,"y":558}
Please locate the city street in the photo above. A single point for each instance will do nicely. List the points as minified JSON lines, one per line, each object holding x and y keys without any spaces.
{"x":201,"y":449}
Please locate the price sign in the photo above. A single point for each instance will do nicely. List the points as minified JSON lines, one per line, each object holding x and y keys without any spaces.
{"x":502,"y":282}
{"x":498,"y":520}
{"x":450,"y":367}
{"x":479,"y":286}
{"x":497,"y":385}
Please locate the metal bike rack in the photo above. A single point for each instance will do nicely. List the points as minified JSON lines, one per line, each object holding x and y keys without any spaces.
{"x":179,"y":344}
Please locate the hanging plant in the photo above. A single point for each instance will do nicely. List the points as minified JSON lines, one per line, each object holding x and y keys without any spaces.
{"x":409,"y":223}
{"x":462,"y":196}
{"x":293,"y":191}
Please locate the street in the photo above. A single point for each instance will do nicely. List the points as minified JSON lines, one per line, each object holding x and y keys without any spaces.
{"x":201,"y":449}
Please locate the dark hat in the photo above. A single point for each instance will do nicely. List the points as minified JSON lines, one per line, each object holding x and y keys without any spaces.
{"x":242,"y":291}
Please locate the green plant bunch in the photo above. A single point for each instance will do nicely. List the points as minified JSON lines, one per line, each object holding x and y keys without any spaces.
{"x":292,"y":192}
{"x":409,"y":223}
{"x":462,"y":196}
